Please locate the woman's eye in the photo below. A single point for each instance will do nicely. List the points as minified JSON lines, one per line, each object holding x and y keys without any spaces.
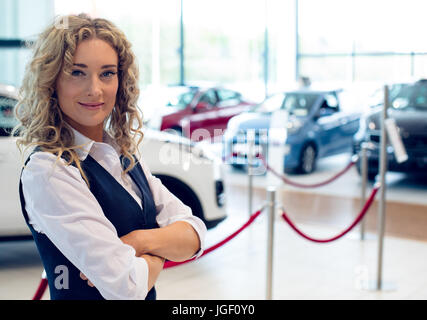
{"x":108,"y":74}
{"x":76,"y":73}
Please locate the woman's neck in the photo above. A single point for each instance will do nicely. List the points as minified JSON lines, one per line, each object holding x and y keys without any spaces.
{"x":95,"y":133}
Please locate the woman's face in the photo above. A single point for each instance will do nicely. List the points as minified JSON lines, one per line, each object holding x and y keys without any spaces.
{"x":88,"y":95}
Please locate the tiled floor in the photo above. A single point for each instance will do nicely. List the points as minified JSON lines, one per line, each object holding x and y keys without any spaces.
{"x":343,"y":269}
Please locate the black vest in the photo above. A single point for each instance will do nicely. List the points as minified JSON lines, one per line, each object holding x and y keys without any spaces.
{"x":118,"y":206}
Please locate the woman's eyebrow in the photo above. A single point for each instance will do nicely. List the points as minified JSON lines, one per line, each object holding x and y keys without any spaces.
{"x":109,"y":66}
{"x":82,"y":65}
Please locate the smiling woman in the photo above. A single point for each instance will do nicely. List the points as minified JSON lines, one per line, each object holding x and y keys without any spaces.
{"x":87,"y":94}
{"x":59,"y":56}
{"x":96,"y":212}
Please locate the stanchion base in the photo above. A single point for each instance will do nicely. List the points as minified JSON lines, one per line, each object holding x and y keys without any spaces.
{"x":385,"y":286}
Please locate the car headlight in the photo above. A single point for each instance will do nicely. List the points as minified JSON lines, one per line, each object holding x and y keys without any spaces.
{"x":372,"y":126}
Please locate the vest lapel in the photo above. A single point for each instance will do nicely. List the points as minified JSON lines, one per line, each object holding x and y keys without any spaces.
{"x":134,"y":174}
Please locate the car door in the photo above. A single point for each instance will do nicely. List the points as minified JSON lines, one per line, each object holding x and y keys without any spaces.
{"x":230,"y":104}
{"x":11,"y":220}
{"x":329,"y":122}
{"x":204,"y":117}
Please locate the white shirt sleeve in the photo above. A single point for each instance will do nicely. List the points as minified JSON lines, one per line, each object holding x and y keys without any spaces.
{"x":60,"y":203}
{"x":170,"y":209}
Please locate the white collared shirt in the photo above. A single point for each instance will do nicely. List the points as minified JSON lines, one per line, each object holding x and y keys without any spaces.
{"x":60,"y":205}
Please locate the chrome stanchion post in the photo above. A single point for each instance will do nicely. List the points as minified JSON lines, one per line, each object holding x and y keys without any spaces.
{"x":271,"y":198}
{"x":250,"y":142}
{"x":364,"y":174}
{"x":381,"y":210}
{"x":380,"y":285}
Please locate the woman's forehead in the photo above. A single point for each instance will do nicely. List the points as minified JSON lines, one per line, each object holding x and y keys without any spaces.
{"x":95,"y":53}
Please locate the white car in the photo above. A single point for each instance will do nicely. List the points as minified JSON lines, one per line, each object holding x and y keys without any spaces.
{"x":189,"y":171}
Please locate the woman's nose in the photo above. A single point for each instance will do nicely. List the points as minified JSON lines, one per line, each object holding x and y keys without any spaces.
{"x":94,"y":87}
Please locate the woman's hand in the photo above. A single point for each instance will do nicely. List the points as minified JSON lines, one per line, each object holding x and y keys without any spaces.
{"x":155,"y":266}
{"x":177,"y":242}
{"x":83,"y":277}
{"x":135,"y":240}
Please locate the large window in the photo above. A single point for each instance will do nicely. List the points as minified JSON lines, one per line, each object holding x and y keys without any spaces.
{"x":151,"y":26}
{"x":20,"y":20}
{"x":361,"y":40}
{"x":224,"y":40}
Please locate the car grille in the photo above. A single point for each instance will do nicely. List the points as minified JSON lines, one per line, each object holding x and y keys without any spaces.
{"x":261,"y":136}
{"x":375,"y":138}
{"x":416,"y":142}
{"x":412,"y":143}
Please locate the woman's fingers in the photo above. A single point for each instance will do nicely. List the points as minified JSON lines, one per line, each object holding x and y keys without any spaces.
{"x":83,"y":277}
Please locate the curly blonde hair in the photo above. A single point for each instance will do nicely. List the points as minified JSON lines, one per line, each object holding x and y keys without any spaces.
{"x":41,"y":119}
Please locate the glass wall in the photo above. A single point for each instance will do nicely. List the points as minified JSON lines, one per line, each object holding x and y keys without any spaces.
{"x":20,"y":20}
{"x":225,"y":41}
{"x":361,"y":40}
{"x":153,"y":28}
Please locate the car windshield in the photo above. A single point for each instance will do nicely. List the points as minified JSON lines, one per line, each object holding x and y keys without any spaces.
{"x":7,"y":118}
{"x":299,"y":104}
{"x":409,"y":97}
{"x":182,"y":99}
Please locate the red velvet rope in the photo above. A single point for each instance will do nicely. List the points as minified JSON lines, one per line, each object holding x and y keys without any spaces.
{"x":358,"y":219}
{"x":41,"y":289}
{"x":169,"y":264}
{"x":315,"y":185}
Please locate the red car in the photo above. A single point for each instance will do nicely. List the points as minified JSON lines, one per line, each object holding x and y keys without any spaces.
{"x":201,"y":113}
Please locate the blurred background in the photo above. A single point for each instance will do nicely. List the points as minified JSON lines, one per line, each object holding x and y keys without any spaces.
{"x":226,"y":70}
{"x":257,"y":45}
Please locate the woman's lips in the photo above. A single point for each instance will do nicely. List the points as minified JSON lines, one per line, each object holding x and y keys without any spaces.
{"x":92,"y":106}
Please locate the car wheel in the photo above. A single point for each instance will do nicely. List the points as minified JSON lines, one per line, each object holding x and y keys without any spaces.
{"x":308,"y":159}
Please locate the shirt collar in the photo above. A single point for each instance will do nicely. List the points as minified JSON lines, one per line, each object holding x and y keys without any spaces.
{"x":85,"y":144}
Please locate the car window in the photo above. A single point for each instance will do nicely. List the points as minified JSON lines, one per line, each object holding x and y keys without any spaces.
{"x":209,"y":97}
{"x":181,"y":100}
{"x":271,"y":104}
{"x":299,"y":104}
{"x":410,"y":97}
{"x":228,"y":97}
{"x":331,"y":102}
{"x":420,"y":99}
{"x":7,"y":117}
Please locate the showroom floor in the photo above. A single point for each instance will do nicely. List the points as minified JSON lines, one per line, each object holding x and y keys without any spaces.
{"x":343,"y":269}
